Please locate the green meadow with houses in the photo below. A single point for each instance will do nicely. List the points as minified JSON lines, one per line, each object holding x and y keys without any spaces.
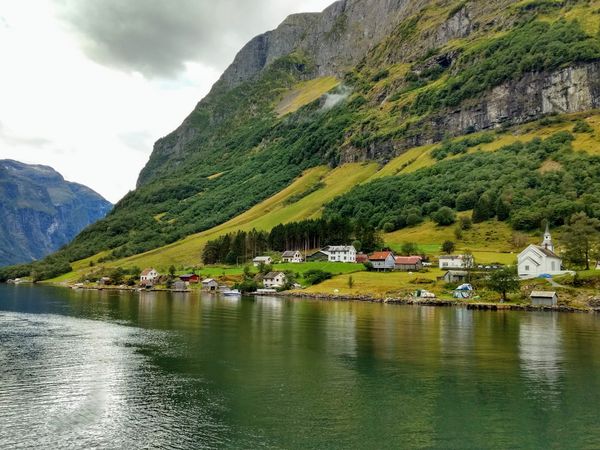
{"x":538,"y":275}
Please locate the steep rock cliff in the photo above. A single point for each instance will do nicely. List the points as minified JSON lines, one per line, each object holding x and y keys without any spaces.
{"x":40,"y":211}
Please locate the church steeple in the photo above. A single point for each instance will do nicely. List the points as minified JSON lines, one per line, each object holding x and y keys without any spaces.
{"x":547,"y":242}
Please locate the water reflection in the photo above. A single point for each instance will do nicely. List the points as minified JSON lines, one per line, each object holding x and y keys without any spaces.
{"x":104,"y":369}
{"x":541,"y":354}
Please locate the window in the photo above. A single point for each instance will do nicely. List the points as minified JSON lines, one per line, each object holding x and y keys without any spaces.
{"x":553,"y":265}
{"x":444,"y":264}
{"x":527,"y":268}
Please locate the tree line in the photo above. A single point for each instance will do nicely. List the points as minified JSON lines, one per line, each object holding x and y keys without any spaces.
{"x":242,"y":246}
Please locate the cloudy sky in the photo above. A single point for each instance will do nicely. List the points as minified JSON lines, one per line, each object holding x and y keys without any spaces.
{"x":88,"y":86}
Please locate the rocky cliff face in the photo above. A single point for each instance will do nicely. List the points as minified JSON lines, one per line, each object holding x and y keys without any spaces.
{"x":40,"y":211}
{"x":568,"y":90}
{"x":335,"y":39}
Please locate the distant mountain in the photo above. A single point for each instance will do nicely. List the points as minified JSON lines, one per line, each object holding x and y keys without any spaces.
{"x":40,"y":211}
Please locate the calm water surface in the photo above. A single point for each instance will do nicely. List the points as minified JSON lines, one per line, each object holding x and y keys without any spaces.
{"x":147,"y":370}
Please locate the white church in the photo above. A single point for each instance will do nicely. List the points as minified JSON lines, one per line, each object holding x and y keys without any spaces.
{"x":536,"y":260}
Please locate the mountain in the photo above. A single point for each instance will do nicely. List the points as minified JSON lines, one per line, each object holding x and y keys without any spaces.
{"x":367,"y":93}
{"x":40,"y":211}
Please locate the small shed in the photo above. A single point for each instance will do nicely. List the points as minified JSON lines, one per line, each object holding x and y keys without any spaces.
{"x":179,"y":286}
{"x":456,"y":276}
{"x":544,"y":298}
{"x":210,"y":285}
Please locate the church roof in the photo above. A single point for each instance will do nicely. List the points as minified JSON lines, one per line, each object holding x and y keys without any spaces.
{"x":547,"y":252}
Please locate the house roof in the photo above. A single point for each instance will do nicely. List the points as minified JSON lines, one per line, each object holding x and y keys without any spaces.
{"x":288,"y":254}
{"x":145,"y":272}
{"x":339,"y":248}
{"x":451,"y":257}
{"x":543,"y":294}
{"x":261,"y":258}
{"x":380,"y":256}
{"x":408,"y":259}
{"x":547,"y":252}
{"x":188,"y":275}
{"x":272,"y":275}
{"x":208,"y":280}
{"x":361,"y":257}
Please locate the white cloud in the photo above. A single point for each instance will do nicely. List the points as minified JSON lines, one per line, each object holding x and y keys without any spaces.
{"x":96,"y":123}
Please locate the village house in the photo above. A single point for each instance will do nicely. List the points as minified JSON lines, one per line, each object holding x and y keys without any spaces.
{"x":538,"y":260}
{"x":455,"y":276}
{"x":382,"y":261}
{"x":210,"y":285}
{"x":266,"y":260}
{"x":318,"y":256}
{"x":291,"y":256}
{"x":598,"y":265}
{"x":274,"y":280}
{"x":340,"y":253}
{"x":190,"y":278}
{"x":148,"y":276}
{"x":544,"y":298}
{"x":408,"y":263}
{"x":452,"y":262}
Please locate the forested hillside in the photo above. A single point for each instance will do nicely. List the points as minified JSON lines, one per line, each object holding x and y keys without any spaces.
{"x":372,"y":80}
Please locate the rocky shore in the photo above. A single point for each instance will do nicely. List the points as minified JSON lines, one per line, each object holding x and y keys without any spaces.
{"x":438,"y":302}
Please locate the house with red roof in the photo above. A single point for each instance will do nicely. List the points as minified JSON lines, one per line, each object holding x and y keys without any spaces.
{"x":408,"y":263}
{"x":382,"y":260}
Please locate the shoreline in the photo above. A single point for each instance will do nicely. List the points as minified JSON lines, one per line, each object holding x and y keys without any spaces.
{"x":441,"y":303}
{"x":483,"y":306}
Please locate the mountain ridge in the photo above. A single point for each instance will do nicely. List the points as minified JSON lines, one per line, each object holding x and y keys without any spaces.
{"x":40,"y":211}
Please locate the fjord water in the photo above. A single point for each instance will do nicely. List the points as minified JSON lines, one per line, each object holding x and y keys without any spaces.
{"x":83,"y":369}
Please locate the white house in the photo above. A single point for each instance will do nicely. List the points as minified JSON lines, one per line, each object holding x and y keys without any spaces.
{"x":536,"y":260}
{"x":274,"y":280}
{"x":383,"y":260}
{"x":598,"y":265}
{"x":266,"y":260}
{"x":291,"y":256}
{"x":340,"y":253}
{"x":148,"y":276}
{"x":453,"y":262}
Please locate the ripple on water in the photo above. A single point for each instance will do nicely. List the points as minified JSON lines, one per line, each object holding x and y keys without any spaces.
{"x":73,"y":383}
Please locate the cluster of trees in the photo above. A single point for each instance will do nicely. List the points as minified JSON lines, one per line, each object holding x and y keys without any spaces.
{"x":507,"y":184}
{"x":453,"y":148}
{"x":242,"y":246}
{"x":581,"y":239}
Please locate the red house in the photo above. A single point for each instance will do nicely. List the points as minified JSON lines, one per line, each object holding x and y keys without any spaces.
{"x":190,"y":278}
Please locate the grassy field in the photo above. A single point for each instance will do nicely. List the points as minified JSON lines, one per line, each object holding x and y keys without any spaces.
{"x":333,"y":267}
{"x":379,"y":284}
{"x":305,"y":93}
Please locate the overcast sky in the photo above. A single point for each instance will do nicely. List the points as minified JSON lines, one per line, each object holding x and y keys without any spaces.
{"x":88,"y":86}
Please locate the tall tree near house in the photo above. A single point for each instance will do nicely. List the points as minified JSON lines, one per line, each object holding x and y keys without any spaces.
{"x":582,"y":239}
{"x":504,"y":281}
{"x":448,"y":247}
